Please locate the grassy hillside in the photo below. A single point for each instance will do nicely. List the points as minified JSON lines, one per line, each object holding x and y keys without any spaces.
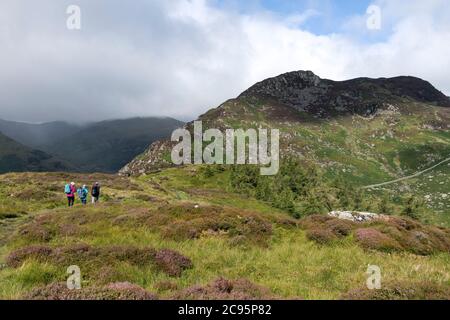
{"x":191,"y":233}
{"x":363,"y":131}
{"x":15,"y":157}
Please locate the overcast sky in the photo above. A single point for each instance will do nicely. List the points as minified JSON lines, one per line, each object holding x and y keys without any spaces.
{"x":180,"y":58}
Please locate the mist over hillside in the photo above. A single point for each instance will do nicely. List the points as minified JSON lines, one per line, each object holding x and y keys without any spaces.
{"x":15,"y":157}
{"x":100,"y":146}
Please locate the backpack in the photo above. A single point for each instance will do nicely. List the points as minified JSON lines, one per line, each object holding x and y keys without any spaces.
{"x":95,"y":191}
{"x":82,"y":193}
{"x":67,"y":189}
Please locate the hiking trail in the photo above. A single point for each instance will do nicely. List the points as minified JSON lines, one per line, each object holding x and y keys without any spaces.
{"x":415,"y":175}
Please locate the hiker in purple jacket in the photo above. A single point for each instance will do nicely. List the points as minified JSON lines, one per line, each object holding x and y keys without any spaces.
{"x":70,"y":192}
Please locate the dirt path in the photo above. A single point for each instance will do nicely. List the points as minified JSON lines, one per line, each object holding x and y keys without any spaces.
{"x":407,"y":177}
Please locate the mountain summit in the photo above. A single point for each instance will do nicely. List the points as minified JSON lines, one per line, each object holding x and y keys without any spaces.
{"x":305,"y":91}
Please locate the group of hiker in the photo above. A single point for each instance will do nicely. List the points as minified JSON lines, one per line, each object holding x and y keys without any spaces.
{"x":82,"y":192}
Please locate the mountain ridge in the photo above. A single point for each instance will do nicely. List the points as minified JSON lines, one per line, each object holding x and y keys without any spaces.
{"x":305,"y":91}
{"x":301,"y":103}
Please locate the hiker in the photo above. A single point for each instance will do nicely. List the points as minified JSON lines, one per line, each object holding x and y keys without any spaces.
{"x":70,"y":192}
{"x":95,"y":193}
{"x":83,"y":194}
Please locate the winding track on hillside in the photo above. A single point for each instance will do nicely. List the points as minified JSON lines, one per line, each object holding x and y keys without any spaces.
{"x":415,"y":175}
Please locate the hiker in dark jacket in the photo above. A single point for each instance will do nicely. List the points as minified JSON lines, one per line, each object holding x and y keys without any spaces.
{"x":95,"y":193}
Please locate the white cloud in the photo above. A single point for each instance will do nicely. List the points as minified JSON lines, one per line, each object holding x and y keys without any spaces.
{"x":180,"y":57}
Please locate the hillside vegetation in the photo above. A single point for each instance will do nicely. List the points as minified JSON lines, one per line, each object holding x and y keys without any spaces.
{"x":193,"y":233}
{"x":226,"y":232}
{"x":361,"y":131}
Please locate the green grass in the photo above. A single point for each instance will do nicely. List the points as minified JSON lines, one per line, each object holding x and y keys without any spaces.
{"x":289,"y":265}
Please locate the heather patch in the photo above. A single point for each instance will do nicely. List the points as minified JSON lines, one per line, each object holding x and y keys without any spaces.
{"x":191,"y":221}
{"x":401,"y":291}
{"x":389,"y":234}
{"x":45,"y":227}
{"x":212,"y":227}
{"x":171,"y":262}
{"x":370,"y":238}
{"x":210,"y":220}
{"x":324,"y":229}
{"x":16,"y":258}
{"x":113,"y":291}
{"x":224,"y":289}
{"x":414,"y":236}
{"x":321,"y":236}
{"x":164,"y":286}
{"x":93,"y":260}
{"x":33,"y":194}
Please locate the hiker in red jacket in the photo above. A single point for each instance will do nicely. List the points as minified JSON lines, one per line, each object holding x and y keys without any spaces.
{"x":71,"y":194}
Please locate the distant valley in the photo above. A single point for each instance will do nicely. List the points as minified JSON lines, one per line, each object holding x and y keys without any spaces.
{"x":96,"y":147}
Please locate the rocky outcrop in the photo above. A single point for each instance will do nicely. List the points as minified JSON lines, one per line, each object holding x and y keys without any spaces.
{"x":157,"y":156}
{"x":305,"y":91}
{"x":356,"y":216}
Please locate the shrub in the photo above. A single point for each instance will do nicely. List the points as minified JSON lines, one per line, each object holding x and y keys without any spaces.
{"x":223,"y":289}
{"x":321,"y":236}
{"x":171,"y":262}
{"x":46,"y":227}
{"x":325,"y":229}
{"x":413,"y":208}
{"x":90,"y":258}
{"x":300,"y":189}
{"x":36,"y":232}
{"x":166,"y":286}
{"x":16,"y":258}
{"x":113,"y":291}
{"x":340,"y":228}
{"x":401,"y":291}
{"x":414,"y":236}
{"x":186,"y":221}
{"x":389,"y":234}
{"x":370,"y":238}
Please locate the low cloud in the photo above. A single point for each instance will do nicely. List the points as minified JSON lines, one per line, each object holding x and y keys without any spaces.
{"x":179,"y":58}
